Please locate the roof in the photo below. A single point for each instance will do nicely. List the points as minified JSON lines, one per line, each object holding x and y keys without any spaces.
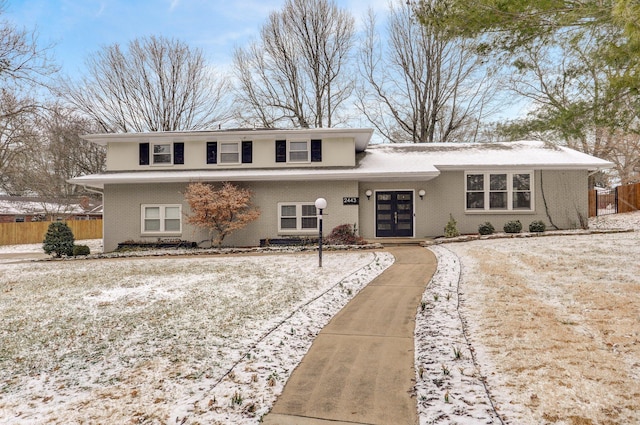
{"x":383,"y":162}
{"x":16,"y":205}
{"x":362,"y":136}
{"x":465,"y":156}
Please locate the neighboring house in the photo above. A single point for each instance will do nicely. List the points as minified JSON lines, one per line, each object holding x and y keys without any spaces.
{"x":387,"y":191}
{"x":18,"y":209}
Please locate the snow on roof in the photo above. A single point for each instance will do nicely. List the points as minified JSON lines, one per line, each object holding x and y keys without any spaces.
{"x":525,"y":154}
{"x":361,"y":136}
{"x":24,"y":207}
{"x":383,"y":162}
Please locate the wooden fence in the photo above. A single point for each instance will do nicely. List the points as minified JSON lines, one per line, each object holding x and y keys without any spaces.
{"x":33,"y":232}
{"x":619,"y":200}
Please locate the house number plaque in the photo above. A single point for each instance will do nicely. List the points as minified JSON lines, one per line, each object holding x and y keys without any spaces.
{"x":350,"y":200}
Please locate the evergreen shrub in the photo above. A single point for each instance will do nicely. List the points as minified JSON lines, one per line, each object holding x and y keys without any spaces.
{"x":451,"y":229}
{"x":537,"y":226}
{"x":81,"y":250}
{"x":513,"y":226}
{"x":486,"y":228}
{"x":58,"y":240}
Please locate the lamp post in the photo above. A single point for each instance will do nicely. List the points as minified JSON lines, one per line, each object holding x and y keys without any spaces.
{"x":321,"y":204}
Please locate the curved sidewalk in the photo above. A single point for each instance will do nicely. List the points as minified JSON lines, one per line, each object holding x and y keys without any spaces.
{"x":360,"y":368}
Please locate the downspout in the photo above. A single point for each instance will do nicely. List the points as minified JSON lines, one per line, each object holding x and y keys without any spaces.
{"x":544,"y":199}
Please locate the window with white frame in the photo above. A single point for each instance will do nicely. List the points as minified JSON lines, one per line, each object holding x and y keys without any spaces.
{"x":229,"y":153}
{"x":161,"y":219}
{"x":299,"y":151}
{"x":162,"y":154}
{"x":499,"y":191}
{"x":297,"y":217}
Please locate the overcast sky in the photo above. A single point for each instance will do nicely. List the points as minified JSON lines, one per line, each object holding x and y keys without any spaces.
{"x":78,"y":28}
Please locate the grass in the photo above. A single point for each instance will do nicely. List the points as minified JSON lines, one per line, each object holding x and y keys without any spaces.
{"x":556,"y":324}
{"x":145,"y":332}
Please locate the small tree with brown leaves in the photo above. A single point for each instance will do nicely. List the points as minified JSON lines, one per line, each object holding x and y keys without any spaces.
{"x":221,"y":211}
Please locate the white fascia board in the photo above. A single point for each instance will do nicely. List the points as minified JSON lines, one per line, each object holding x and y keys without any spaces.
{"x":362,"y":136}
{"x":536,"y":166}
{"x":99,"y":180}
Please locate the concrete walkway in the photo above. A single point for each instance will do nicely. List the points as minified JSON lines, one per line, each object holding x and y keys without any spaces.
{"x":360,"y":368}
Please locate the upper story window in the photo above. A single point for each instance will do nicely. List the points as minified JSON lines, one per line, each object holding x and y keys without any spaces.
{"x":495,"y":191}
{"x":161,"y":153}
{"x":298,"y":151}
{"x":229,"y":152}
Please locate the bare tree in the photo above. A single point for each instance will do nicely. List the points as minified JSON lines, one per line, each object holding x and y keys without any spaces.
{"x":23,"y":62}
{"x":158,"y":84}
{"x":298,"y":73}
{"x":17,"y":135}
{"x":50,"y":153}
{"x":422,"y":86}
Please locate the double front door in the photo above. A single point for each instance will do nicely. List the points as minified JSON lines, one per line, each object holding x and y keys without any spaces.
{"x":394,"y":214}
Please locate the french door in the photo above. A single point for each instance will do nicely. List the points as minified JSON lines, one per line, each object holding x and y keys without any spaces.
{"x":394,"y":214}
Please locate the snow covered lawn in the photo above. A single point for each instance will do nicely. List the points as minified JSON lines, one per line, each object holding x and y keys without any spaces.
{"x":548,"y":327}
{"x":164,"y":340}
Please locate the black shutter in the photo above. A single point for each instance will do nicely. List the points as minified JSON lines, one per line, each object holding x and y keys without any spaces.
{"x":316,"y":151}
{"x":178,"y":153}
{"x":247,"y":152}
{"x":144,"y":153}
{"x":212,"y":152}
{"x":281,"y":151}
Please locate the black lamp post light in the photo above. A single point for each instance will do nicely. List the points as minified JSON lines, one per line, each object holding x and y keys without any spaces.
{"x":321,"y":204}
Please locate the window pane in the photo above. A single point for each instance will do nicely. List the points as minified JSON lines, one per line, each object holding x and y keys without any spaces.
{"x":522,"y":200}
{"x":161,"y":149}
{"x":384,"y":217}
{"x":172,"y":212}
{"x":288,"y":223}
{"x":404,"y":197}
{"x":298,"y":146}
{"x":298,"y":156}
{"x":288,"y":210}
{"x":152,"y":225}
{"x":521,"y":182}
{"x":384,"y":197}
{"x":498,"y":182}
{"x":498,"y":200}
{"x":309,"y":223}
{"x":229,"y":157}
{"x":162,"y":159}
{"x":152,"y":212}
{"x":172,"y":225}
{"x":229,"y":148}
{"x":475,"y":181}
{"x":309,"y":210}
{"x":475,"y":200}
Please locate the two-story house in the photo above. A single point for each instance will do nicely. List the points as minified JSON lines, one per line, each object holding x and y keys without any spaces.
{"x":386,"y":191}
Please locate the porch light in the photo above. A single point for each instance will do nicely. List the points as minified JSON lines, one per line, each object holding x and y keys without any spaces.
{"x":422,"y":193}
{"x":368,"y":193}
{"x":321,"y":204}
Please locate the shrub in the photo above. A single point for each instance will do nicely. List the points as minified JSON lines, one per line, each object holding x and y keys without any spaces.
{"x":81,"y":250}
{"x":513,"y":226}
{"x":486,"y":228}
{"x":59,"y":240}
{"x":451,"y":229}
{"x":537,"y":226}
{"x":344,"y":234}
